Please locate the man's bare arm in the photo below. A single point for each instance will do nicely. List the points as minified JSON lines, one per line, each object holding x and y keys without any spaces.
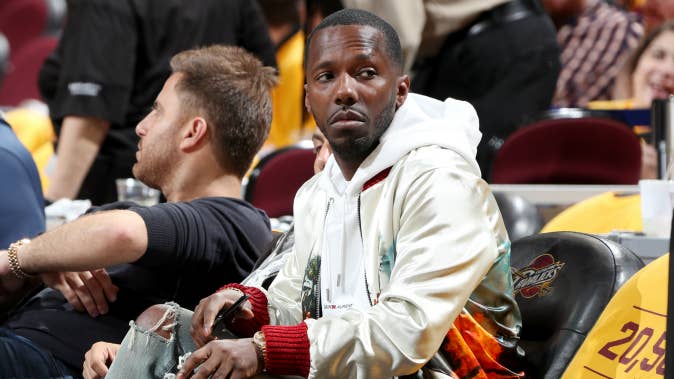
{"x":96,"y":241}
{"x":79,"y":142}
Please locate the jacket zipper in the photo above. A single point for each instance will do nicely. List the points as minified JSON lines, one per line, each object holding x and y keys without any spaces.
{"x":317,"y":293}
{"x":360,"y":229}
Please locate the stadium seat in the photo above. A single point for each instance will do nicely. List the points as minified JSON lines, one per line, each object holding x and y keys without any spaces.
{"x":22,"y":21}
{"x":274,"y":181}
{"x":562,"y":283}
{"x":21,"y":82}
{"x":628,"y":339}
{"x":521,"y":218}
{"x":600,"y":214}
{"x":590,"y":150}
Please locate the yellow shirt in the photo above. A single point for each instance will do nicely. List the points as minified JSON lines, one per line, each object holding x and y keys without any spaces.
{"x":36,"y":133}
{"x":288,"y":95}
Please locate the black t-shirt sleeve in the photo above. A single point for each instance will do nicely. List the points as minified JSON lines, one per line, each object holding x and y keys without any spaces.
{"x":203,"y":234}
{"x":96,"y":62}
{"x":254,"y":35}
{"x":175,"y":232}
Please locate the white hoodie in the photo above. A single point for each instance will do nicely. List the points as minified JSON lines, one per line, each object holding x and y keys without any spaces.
{"x":420,"y":230}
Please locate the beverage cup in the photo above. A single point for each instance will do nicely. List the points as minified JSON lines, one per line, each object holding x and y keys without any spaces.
{"x":657,"y":200}
{"x":130,"y":189}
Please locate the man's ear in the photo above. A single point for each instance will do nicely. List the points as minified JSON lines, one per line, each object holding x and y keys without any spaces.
{"x":403,"y":88}
{"x":306,"y":100}
{"x":194,"y":134}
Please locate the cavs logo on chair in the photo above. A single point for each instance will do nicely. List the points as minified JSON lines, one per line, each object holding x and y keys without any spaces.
{"x":536,"y":278}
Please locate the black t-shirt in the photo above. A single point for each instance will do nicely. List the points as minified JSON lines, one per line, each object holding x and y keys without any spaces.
{"x":113,"y":58}
{"x":193,"y":248}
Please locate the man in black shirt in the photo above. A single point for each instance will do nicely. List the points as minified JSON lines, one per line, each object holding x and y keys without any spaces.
{"x":207,"y":123}
{"x":110,"y":64}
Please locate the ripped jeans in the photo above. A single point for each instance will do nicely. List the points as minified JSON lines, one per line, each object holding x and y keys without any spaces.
{"x":145,"y":354}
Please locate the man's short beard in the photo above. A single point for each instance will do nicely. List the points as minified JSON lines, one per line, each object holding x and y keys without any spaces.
{"x":152,"y":175}
{"x":359,"y":149}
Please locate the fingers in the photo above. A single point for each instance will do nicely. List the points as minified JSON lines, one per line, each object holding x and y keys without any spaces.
{"x":58,"y":282}
{"x":196,"y":329}
{"x":213,"y":366}
{"x":211,"y":310}
{"x":110,"y":290}
{"x":203,"y":362}
{"x":193,"y":361}
{"x":222,"y":359}
{"x":89,"y":292}
{"x":223,"y":371}
{"x":207,"y":310}
{"x":246,"y":311}
{"x":204,"y":315}
{"x":97,"y":359}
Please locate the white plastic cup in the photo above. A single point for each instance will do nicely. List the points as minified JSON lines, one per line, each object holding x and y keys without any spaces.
{"x":657,"y":200}
{"x":130,"y":189}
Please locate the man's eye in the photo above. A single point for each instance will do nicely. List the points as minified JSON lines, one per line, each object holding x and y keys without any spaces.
{"x":317,"y":148}
{"x":367,"y":74}
{"x":324,"y":76}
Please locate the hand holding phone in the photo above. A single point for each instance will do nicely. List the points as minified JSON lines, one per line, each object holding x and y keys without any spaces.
{"x":224,"y":317}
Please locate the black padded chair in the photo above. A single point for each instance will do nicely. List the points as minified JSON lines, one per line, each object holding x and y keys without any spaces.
{"x":520,"y":216}
{"x":563,"y":281}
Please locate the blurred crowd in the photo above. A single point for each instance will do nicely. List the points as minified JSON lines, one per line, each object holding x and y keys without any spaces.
{"x":92,"y":91}
{"x":77,"y":76}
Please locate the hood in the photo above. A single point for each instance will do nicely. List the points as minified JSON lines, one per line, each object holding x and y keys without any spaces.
{"x":420,"y":121}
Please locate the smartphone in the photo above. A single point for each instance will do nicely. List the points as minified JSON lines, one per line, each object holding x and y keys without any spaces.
{"x":224,"y":317}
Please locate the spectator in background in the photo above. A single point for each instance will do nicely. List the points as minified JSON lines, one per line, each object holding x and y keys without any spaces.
{"x":111,"y":62}
{"x":285,"y":31}
{"x":32,"y":125}
{"x":596,"y":38}
{"x":647,"y":75}
{"x":655,"y":12}
{"x":499,"y":55}
{"x":649,"y":72}
{"x":21,"y":201}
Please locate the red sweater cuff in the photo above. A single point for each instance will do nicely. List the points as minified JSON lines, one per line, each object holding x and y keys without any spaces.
{"x":258,"y":301}
{"x":287,"y":350}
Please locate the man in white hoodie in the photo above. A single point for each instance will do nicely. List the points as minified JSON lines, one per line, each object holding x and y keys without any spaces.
{"x":400,"y":250}
{"x":391,"y":238}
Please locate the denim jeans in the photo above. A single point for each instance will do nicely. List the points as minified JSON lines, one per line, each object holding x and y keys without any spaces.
{"x":20,"y":358}
{"x":145,"y":354}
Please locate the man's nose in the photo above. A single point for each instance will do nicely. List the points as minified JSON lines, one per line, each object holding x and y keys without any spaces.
{"x":140,"y":127}
{"x":346,"y":93}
